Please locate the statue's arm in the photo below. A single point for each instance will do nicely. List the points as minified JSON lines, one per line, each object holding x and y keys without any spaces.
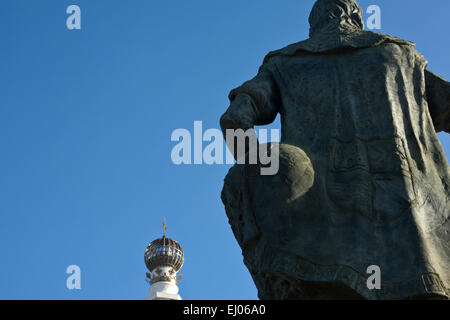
{"x":256,"y":102}
{"x":438,"y":97}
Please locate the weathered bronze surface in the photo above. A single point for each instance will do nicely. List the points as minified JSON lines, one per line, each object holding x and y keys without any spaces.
{"x":363,"y":178}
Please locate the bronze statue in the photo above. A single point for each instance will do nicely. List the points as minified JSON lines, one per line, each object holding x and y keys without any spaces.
{"x":363,"y":179}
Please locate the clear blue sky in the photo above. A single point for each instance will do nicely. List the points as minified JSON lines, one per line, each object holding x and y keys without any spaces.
{"x":85,"y":124}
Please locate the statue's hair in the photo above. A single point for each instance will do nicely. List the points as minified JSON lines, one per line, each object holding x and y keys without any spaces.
{"x":319,"y":16}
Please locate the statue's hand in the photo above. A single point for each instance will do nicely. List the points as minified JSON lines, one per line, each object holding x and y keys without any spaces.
{"x":243,"y":144}
{"x":240,"y":115}
{"x":237,"y":126}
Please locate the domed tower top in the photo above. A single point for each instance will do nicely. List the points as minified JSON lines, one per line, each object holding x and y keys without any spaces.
{"x":164,"y":252}
{"x":164,"y":258}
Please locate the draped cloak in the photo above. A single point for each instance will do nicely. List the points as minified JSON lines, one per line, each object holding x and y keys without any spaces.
{"x":365,"y":110}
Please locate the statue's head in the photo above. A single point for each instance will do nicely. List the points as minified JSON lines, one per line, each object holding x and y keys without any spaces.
{"x":331,"y":16}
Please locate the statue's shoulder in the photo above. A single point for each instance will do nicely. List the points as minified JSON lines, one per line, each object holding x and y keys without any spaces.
{"x":363,"y":39}
{"x":381,"y":38}
{"x":286,"y":51}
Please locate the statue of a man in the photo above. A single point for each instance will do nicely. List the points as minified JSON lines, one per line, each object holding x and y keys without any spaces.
{"x":360,"y":205}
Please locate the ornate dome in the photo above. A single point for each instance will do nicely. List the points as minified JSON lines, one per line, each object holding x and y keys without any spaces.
{"x":164,"y":252}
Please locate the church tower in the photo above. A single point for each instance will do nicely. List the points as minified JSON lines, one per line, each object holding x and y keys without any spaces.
{"x":164,"y":258}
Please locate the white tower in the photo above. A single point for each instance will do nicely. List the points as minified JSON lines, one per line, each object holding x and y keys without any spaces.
{"x":164,"y":258}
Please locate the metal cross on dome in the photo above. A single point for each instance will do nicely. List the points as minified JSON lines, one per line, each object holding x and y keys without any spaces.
{"x":164,"y":227}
